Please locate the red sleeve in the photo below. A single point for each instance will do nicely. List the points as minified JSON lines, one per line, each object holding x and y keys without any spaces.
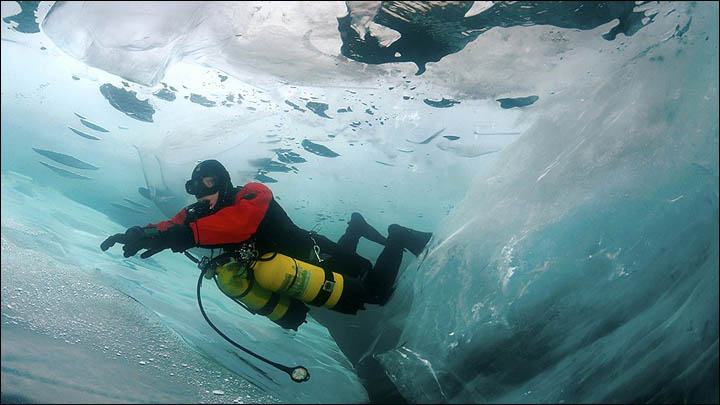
{"x":178,"y":219}
{"x":236,"y":223}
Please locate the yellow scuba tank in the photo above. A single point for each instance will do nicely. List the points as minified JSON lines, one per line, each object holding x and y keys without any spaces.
{"x":235,"y":281}
{"x":309,"y":283}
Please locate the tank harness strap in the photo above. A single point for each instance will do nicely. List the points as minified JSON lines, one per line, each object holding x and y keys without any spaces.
{"x":247,"y":308}
{"x":221,"y":259}
{"x":270,"y":306}
{"x":260,"y":259}
{"x":236,"y":298}
{"x":325,"y":290}
{"x":292,"y":283}
{"x":251,"y":283}
{"x":241,"y":257}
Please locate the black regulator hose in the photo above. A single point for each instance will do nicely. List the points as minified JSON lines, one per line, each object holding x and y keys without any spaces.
{"x":298,"y":374}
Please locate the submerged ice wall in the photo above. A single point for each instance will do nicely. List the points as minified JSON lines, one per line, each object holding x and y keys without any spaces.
{"x":584,"y":266}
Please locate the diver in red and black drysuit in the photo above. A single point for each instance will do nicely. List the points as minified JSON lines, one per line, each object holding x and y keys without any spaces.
{"x":227,"y":216}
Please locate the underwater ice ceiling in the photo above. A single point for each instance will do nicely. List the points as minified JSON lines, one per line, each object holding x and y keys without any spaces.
{"x":564,"y":155}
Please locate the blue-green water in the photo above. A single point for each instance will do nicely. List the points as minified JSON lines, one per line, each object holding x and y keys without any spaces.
{"x":565,"y":159}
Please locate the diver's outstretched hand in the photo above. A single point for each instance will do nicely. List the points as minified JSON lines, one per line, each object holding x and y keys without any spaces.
{"x":134,"y":239}
{"x":176,"y":237}
{"x":131,"y":234}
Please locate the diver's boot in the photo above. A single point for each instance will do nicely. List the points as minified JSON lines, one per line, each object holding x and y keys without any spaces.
{"x":380,"y":282}
{"x":367,"y":231}
{"x":360,"y":226}
{"x":357,"y":227}
{"x":410,"y":239}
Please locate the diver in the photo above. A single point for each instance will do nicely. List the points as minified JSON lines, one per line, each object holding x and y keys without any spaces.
{"x":229,"y":218}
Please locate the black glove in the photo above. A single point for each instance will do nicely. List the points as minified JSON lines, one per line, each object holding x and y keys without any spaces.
{"x":131,"y":235}
{"x":177,"y":237}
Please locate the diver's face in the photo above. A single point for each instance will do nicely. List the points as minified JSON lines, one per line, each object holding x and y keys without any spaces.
{"x":213,"y":198}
